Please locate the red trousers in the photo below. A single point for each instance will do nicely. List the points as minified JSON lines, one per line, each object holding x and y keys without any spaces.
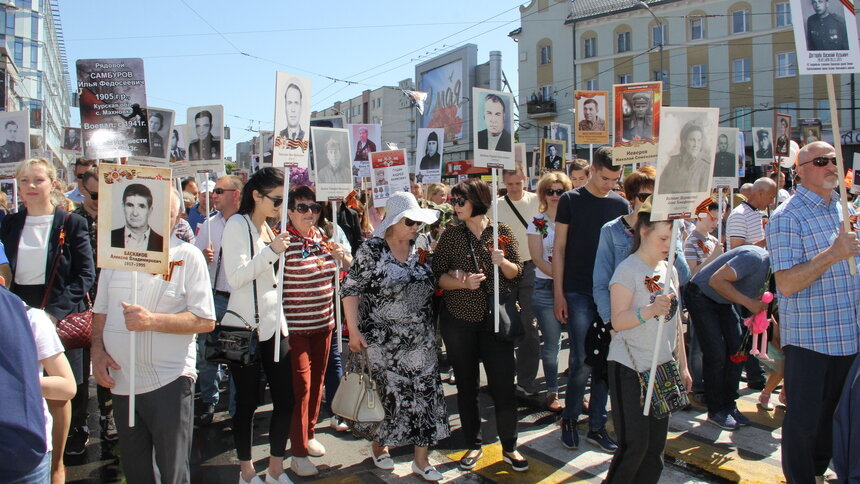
{"x":309,"y":357}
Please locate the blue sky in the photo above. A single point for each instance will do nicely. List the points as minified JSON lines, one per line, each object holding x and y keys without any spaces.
{"x":192,"y":49}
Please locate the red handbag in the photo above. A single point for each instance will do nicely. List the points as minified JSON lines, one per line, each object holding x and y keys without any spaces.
{"x":75,"y":329}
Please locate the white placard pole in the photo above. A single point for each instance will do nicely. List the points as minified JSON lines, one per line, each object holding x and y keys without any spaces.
{"x":208,"y":211}
{"x":15,"y":195}
{"x":591,"y":155}
{"x":337,"y":315}
{"x":840,"y":166}
{"x":495,"y":247}
{"x":285,"y":219}
{"x":132,"y":354}
{"x":720,"y":216}
{"x":676,"y":228}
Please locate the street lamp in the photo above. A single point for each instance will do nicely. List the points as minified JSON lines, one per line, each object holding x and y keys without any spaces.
{"x":644,"y":5}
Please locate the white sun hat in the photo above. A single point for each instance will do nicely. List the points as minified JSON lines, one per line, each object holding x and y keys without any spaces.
{"x":404,"y":205}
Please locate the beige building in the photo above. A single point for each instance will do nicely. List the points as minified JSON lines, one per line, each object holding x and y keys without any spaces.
{"x":737,"y":55}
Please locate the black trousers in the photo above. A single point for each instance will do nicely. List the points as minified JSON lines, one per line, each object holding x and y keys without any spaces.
{"x":247,"y":381}
{"x":469,"y":344}
{"x":813,"y":385}
{"x":641,"y":439}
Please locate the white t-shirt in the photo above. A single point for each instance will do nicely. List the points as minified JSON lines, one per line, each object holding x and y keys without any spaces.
{"x":547,"y":241}
{"x":161,"y":357}
{"x":33,"y":250}
{"x":48,"y":344}
{"x":528,"y":207}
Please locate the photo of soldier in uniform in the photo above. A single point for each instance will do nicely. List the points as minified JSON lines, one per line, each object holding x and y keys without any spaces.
{"x":14,"y":140}
{"x":177,"y":141}
{"x":638,"y":123}
{"x":825,"y":28}
{"x":689,"y":170}
{"x":593,"y":119}
{"x":725,"y":160}
{"x":552,"y":154}
{"x":783,"y":130}
{"x":71,"y":139}
{"x":763,"y":146}
{"x":208,"y":123}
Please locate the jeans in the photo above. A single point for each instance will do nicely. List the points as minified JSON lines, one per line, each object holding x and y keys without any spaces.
{"x":40,"y":475}
{"x":718,"y":330}
{"x":581,"y":312}
{"x":209,"y":375}
{"x":333,"y":372}
{"x":550,"y":328}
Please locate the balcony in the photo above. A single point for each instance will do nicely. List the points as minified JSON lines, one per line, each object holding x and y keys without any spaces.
{"x":541,"y":109}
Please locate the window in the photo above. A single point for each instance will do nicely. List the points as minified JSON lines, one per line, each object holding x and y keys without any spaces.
{"x":591,"y":47}
{"x":824,"y":111}
{"x":34,"y":26}
{"x":783,"y":14}
{"x":19,"y":51}
{"x":743,"y":118}
{"x":658,"y":35}
{"x":624,"y":79}
{"x":786,"y":64}
{"x":699,"y":75}
{"x":10,"y":23}
{"x":34,"y":56}
{"x":741,"y":70}
{"x":623,"y":42}
{"x":591,"y":84}
{"x":546,"y":54}
{"x":546,"y":93}
{"x":740,"y":21}
{"x":24,"y":3}
{"x":697,"y":28}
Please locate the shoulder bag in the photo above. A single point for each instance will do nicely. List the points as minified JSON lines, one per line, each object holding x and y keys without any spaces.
{"x":510,"y":324}
{"x":75,"y":329}
{"x":357,"y":398}
{"x":238,"y":346}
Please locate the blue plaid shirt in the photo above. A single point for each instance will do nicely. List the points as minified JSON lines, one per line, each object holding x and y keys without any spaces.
{"x":822,"y":317}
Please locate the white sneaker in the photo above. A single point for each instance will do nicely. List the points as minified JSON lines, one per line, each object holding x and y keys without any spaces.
{"x":383,"y":461}
{"x":339,"y":425}
{"x":302,"y":466}
{"x":254,"y":480}
{"x":315,"y":448}
{"x":282,"y":479}
{"x":428,"y":474}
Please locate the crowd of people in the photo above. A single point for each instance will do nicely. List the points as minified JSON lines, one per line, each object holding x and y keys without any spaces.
{"x":579,"y":255}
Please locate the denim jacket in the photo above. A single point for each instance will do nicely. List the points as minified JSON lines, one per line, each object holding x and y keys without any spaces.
{"x":614,"y":247}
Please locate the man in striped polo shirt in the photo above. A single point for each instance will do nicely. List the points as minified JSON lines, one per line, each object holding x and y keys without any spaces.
{"x":744,"y":225}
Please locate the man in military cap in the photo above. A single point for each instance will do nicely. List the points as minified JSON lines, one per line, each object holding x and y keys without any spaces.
{"x":639,"y":123}
{"x":765,"y":148}
{"x":825,"y":30}
{"x":591,"y":121}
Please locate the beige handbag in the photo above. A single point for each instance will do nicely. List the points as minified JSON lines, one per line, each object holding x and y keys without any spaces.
{"x":356,"y":398}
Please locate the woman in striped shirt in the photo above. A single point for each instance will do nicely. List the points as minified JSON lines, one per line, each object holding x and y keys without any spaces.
{"x":310,"y":266}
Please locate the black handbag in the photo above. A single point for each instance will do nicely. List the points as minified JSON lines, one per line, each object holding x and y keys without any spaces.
{"x":510,"y":324}
{"x":227,"y":344}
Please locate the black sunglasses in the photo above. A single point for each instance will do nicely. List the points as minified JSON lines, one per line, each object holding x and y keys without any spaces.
{"x":276,"y":201}
{"x":410,"y":223}
{"x":304,"y":207}
{"x":643,"y":196}
{"x":93,"y":195}
{"x":79,"y":176}
{"x":820,"y":161}
{"x":458,"y":201}
{"x":220,"y":191}
{"x":551,"y":192}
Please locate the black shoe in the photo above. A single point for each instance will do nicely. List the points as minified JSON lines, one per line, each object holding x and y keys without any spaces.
{"x":756,"y":385}
{"x":207,"y":415}
{"x":467,"y":462}
{"x":109,"y":433}
{"x":519,"y":465}
{"x":76,"y":444}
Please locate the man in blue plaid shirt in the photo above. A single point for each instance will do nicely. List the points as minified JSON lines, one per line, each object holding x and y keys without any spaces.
{"x":818,"y":306}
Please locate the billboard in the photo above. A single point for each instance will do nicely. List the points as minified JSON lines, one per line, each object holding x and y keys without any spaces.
{"x":447,"y":80}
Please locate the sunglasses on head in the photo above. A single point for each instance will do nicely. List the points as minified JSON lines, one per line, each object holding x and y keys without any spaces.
{"x":558,"y":192}
{"x":458,"y":201}
{"x":221,"y":191}
{"x":276,"y":201}
{"x":642,"y":196}
{"x":304,"y":207}
{"x":821,"y":161}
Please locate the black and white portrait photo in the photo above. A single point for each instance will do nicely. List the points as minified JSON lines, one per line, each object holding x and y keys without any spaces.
{"x":292,"y":120}
{"x":763,"y":145}
{"x":160,"y":128}
{"x":428,"y":154}
{"x":176,"y":146}
{"x":14,"y":140}
{"x":825,"y":27}
{"x":725,"y":159}
{"x":825,"y":36}
{"x":332,"y":164}
{"x":71,"y":139}
{"x":782,"y":124}
{"x":552,"y":154}
{"x":206,"y":124}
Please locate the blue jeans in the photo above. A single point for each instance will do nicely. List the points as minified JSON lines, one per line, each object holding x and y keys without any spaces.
{"x":333,"y":371}
{"x":550,"y":329}
{"x":40,"y":475}
{"x":209,"y":374}
{"x":581,"y":312}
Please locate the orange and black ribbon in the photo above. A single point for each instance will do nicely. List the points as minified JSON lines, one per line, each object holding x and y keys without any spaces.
{"x":703,"y":246}
{"x":504,"y":240}
{"x":651,"y":283}
{"x":351,"y":200}
{"x":172,"y":265}
{"x":422,"y":255}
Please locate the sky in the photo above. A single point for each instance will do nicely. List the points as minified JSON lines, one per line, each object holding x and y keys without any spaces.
{"x":209,"y":52}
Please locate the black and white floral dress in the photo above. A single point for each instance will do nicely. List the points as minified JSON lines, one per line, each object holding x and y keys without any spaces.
{"x":394,"y":316}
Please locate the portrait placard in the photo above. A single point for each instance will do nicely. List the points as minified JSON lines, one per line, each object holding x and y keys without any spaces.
{"x":328,"y":122}
{"x":552,"y":154}
{"x":726,"y":158}
{"x":332,"y":172}
{"x":178,"y":153}
{"x":292,"y":120}
{"x":810,"y":130}
{"x":592,"y":117}
{"x":112,"y":102}
{"x":428,"y":156}
{"x":14,"y":141}
{"x":492,"y":131}
{"x":855,"y":182}
{"x":206,"y":141}
{"x":367,"y":138}
{"x":688,"y":137}
{"x":825,"y":36}
{"x":160,"y":129}
{"x":10,"y":188}
{"x":266,"y":148}
{"x":390,"y":175}
{"x":742,"y":155}
{"x":71,"y":141}
{"x":782,"y":127}
{"x":561,"y":132}
{"x":134,"y":223}
{"x":762,"y":140}
{"x":637,"y":122}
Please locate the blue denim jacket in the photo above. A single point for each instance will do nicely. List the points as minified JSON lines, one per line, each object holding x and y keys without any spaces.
{"x":614,"y":247}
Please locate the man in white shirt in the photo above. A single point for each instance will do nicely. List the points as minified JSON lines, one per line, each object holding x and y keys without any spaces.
{"x":744,"y":225}
{"x":225,"y":197}
{"x":170,"y":310}
{"x":516,"y":210}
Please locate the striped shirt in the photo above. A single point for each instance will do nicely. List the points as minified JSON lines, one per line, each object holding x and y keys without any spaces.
{"x":823,"y":316}
{"x":309,"y":271}
{"x":745,"y":222}
{"x":693,"y":250}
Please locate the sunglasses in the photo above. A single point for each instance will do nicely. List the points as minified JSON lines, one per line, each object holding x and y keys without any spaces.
{"x":93,"y":195}
{"x":643,"y":196}
{"x":458,"y":201}
{"x":276,"y":201}
{"x":558,"y":192}
{"x":304,"y":207}
{"x":821,"y":161}
{"x":410,"y":223}
{"x":221,"y":191}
